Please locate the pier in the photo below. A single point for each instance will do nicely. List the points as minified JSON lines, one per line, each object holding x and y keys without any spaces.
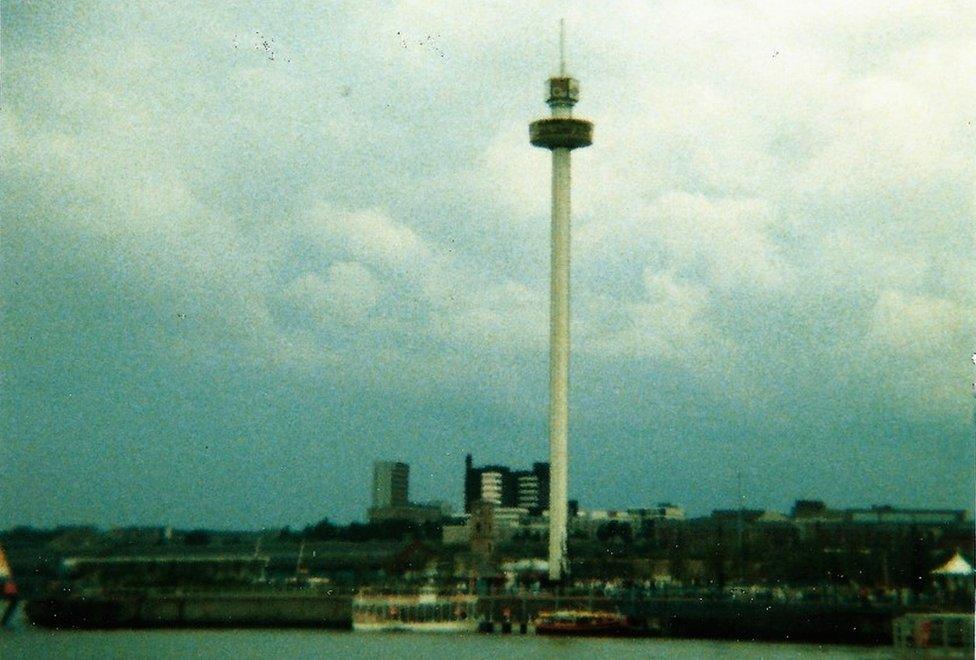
{"x":834,"y":623}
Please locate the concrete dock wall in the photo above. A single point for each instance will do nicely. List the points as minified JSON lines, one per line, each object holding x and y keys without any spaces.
{"x":720,"y":619}
{"x":194,"y":610}
{"x":741,"y":620}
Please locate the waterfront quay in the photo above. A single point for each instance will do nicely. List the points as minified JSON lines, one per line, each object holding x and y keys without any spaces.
{"x":707,"y":617}
{"x":258,"y":607}
{"x":836,"y":580}
{"x":704,"y":618}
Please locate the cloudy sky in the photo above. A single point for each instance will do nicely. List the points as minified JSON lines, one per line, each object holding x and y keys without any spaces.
{"x":247,"y":250}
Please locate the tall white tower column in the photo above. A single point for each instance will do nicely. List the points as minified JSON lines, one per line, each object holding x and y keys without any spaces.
{"x":560,"y":133}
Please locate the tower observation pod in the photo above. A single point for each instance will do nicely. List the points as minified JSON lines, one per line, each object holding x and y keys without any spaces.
{"x":560,"y":133}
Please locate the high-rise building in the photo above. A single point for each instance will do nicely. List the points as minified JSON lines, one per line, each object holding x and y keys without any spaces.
{"x":528,"y":491}
{"x":535,"y":484}
{"x":501,"y":486}
{"x":484,"y":484}
{"x":391,"y":482}
{"x":492,"y":486}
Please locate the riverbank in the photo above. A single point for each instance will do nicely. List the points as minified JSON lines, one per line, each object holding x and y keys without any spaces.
{"x":312,"y":608}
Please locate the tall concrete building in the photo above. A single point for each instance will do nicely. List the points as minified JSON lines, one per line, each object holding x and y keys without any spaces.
{"x":560,"y":133}
{"x":502,"y":486}
{"x":391,"y":482}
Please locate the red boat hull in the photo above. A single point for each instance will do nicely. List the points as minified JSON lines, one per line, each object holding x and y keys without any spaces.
{"x":610,"y":630}
{"x":585,"y":624}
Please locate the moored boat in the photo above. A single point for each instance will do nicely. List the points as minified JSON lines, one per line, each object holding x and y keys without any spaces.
{"x":427,"y":611}
{"x":584,"y":623}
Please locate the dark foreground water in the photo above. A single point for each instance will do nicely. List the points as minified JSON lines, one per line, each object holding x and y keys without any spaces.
{"x":25,"y":642}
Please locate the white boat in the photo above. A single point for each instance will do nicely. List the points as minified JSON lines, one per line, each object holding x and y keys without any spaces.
{"x":427,"y":611}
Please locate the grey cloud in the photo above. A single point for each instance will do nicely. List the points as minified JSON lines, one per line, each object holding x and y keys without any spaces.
{"x":206,"y":247}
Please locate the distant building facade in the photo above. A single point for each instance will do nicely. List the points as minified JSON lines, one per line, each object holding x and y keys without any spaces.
{"x":482,"y":536}
{"x":391,"y":489}
{"x":588,"y":522}
{"x":415,"y":513}
{"x":456,"y":531}
{"x":141,"y":535}
{"x":897,"y":516}
{"x":816,"y":511}
{"x":748,"y":516}
{"x":391,"y":484}
{"x":501,"y":486}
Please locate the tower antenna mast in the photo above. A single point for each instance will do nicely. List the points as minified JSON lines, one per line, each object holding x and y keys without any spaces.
{"x":562,"y":47}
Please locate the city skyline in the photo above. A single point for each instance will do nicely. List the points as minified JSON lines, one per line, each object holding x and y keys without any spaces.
{"x":241,"y":259}
{"x":507,"y":494}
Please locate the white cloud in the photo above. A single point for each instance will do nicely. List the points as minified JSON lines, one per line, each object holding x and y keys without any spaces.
{"x":511,"y":175}
{"x":347,"y":295}
{"x":916,"y":348}
{"x":370,"y":234}
{"x":918,"y":326}
{"x":729,"y":235}
{"x":507,"y":317}
{"x":669,"y":323}
{"x":722,"y":241}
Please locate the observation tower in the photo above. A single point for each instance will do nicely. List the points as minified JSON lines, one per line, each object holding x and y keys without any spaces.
{"x":560,"y":133}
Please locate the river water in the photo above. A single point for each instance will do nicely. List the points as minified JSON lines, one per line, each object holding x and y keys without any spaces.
{"x":24,"y":641}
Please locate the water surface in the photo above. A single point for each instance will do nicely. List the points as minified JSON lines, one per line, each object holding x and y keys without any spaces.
{"x":24,"y":641}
